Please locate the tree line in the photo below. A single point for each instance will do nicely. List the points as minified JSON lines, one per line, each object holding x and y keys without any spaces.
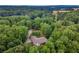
{"x":62,"y":33}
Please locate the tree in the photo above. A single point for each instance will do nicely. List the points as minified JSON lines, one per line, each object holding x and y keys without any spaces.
{"x":51,"y":46}
{"x":10,"y":45}
{"x":21,"y":32}
{"x":27,"y":47}
{"x":29,"y":24}
{"x":65,"y":39}
{"x":48,"y":19}
{"x":44,"y":49}
{"x":36,"y":33}
{"x":69,"y":33}
{"x":56,"y":34}
{"x":4,"y":22}
{"x":16,"y":49}
{"x":46,"y":29}
{"x":2,"y":48}
{"x":33,"y":49}
{"x":36,"y":23}
{"x":12,"y":36}
{"x":60,"y":47}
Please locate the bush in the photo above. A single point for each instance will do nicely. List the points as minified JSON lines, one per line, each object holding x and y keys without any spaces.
{"x":16,"y":49}
{"x":36,"y":33}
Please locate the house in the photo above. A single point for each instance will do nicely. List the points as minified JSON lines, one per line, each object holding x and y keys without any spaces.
{"x":38,"y":41}
{"x":35,"y":40}
{"x":65,"y":10}
{"x":76,"y":9}
{"x":60,"y":11}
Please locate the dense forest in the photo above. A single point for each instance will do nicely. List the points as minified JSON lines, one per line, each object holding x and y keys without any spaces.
{"x":60,"y":30}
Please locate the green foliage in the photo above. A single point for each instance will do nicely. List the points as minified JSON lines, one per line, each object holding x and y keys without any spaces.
{"x":17,"y":49}
{"x":4,"y":22}
{"x":51,"y":46}
{"x":36,"y":33}
{"x":46,"y":29}
{"x":44,"y":49}
{"x":60,"y":47}
{"x":36,"y":23}
{"x":61,"y":31}
{"x":2,"y":48}
{"x":12,"y":36}
{"x":27,"y":47}
{"x":33,"y":49}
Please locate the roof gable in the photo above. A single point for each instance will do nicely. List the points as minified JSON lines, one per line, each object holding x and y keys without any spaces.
{"x":38,"y":41}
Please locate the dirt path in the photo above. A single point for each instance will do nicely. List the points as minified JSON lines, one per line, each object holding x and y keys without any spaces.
{"x":29,"y":33}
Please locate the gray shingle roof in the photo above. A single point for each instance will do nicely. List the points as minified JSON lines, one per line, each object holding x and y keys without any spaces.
{"x":38,"y":41}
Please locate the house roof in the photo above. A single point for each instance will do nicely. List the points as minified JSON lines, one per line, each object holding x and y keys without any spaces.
{"x":38,"y":41}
